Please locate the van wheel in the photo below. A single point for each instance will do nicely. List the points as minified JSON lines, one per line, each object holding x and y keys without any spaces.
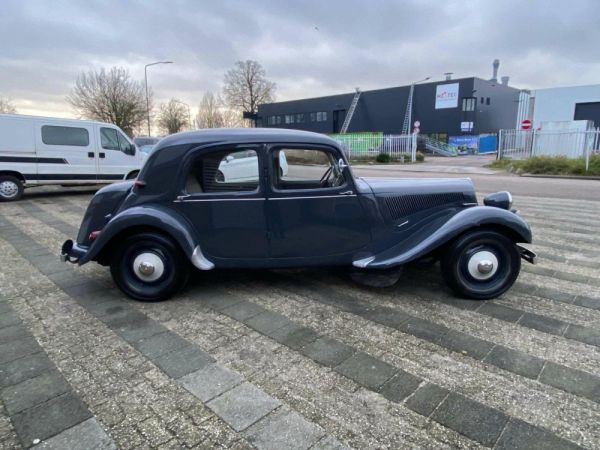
{"x":149,"y":267}
{"x":481,"y":264}
{"x":11,"y":188}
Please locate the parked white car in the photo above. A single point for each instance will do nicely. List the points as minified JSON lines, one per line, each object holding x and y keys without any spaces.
{"x":243,"y":166}
{"x":37,"y":151}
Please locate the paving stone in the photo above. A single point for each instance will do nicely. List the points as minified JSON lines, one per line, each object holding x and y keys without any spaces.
{"x":50,"y":418}
{"x":103,"y":306}
{"x":243,"y":405}
{"x":400,"y":386}
{"x":140,"y":329}
{"x":500,"y":312}
{"x":243,"y":310}
{"x":543,"y":323}
{"x":423,"y":329}
{"x":328,"y":351}
{"x":34,"y":391}
{"x":587,"y":302}
{"x":22,"y":369}
{"x":463,"y":343}
{"x":284,"y":429}
{"x":519,"y":435}
{"x":211,"y":381}
{"x":181,"y":362}
{"x":87,"y":435}
{"x":18,"y":348}
{"x":388,"y":317}
{"x":515,"y":361}
{"x":82,"y":290}
{"x":587,"y":335}
{"x":12,"y":333}
{"x":154,"y":346}
{"x":426,"y":399}
{"x":219,"y":300}
{"x":571,"y":380}
{"x":9,"y":319}
{"x":365,"y":370}
{"x":267,"y":322}
{"x":476,"y":421}
{"x":122,"y":315}
{"x":294,"y":336}
{"x":554,"y":294}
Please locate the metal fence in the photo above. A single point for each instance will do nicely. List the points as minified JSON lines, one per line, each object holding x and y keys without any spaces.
{"x":522,"y":144}
{"x":402,"y":147}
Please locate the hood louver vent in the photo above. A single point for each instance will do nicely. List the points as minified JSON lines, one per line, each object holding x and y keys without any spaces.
{"x":403,"y":205}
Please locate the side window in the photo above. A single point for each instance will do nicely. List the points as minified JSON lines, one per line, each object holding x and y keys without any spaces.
{"x":109,"y":139}
{"x":53,"y":135}
{"x":123,"y":143}
{"x":223,"y":171}
{"x":305,"y":169}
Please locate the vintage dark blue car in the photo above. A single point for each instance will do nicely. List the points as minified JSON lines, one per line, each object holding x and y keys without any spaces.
{"x":265,"y":198}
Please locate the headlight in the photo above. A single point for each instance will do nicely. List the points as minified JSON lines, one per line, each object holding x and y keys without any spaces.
{"x":499,"y":200}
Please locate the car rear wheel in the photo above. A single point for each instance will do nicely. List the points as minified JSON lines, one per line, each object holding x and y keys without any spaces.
{"x":11,"y":188}
{"x":149,"y":267}
{"x":481,"y":264}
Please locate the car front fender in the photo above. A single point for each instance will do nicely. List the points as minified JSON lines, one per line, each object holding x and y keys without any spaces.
{"x":163,"y":219}
{"x":425,"y":241}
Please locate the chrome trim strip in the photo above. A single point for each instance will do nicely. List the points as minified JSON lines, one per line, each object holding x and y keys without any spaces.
{"x":363,"y":263}
{"x":402,"y":224}
{"x":199,"y":260}
{"x":312,"y":197}
{"x":186,"y":200}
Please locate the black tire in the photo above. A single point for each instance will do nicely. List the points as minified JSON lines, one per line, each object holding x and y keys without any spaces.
{"x":11,"y":188}
{"x":175,"y":265}
{"x":464,"y":281}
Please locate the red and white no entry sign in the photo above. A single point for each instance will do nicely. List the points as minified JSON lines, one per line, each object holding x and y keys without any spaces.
{"x":526,"y":124}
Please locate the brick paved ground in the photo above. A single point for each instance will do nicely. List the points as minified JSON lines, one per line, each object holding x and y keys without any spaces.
{"x":298,"y":359}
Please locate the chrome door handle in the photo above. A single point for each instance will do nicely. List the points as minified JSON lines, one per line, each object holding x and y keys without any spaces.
{"x":346,"y":193}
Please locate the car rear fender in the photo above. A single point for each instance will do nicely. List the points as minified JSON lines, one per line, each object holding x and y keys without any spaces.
{"x":426,"y":241}
{"x":145,"y":217}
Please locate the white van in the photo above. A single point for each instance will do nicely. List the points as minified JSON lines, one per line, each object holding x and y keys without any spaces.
{"x":37,"y":151}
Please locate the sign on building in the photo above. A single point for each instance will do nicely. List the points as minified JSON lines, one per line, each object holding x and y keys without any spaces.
{"x":446,"y":96}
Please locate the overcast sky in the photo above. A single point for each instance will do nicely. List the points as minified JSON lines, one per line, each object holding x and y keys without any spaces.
{"x":309,"y":48}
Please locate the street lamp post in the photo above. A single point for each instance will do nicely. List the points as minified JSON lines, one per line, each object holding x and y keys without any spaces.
{"x":146,"y":82}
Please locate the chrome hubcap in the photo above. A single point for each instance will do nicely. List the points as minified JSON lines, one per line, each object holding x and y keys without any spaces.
{"x":148,"y":267}
{"x":8,"y":189}
{"x":483,"y":265}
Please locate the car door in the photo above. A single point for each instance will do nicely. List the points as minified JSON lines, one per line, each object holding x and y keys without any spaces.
{"x":313,"y":210}
{"x":226,"y":209}
{"x":114,"y":161}
{"x":65,"y":153}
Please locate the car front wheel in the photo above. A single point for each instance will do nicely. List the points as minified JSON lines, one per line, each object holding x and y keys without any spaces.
{"x":481,"y":265}
{"x":149,"y":267}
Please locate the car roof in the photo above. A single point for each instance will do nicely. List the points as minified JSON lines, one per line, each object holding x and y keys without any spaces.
{"x":224,"y":135}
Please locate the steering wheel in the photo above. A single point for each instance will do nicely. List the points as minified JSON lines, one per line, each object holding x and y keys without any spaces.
{"x":325,"y":178}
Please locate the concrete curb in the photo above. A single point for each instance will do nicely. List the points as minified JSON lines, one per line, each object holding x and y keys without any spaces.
{"x":567,"y":177}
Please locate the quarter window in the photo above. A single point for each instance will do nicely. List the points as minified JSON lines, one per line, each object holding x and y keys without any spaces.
{"x":53,"y":135}
{"x":223,"y":171}
{"x":305,"y":169}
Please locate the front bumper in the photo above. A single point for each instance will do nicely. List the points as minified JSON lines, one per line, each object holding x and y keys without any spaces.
{"x":527,"y":254}
{"x":71,"y":252}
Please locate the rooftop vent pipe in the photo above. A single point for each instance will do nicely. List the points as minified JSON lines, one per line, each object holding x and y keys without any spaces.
{"x":505,"y":80}
{"x":495,"y":65}
{"x":448,"y":75}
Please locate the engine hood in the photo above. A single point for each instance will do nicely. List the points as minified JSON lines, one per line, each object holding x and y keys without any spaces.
{"x":421,"y":186}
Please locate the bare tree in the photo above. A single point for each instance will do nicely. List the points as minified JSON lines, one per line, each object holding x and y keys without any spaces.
{"x":214,"y":113}
{"x":110,"y":97}
{"x":246,"y":86}
{"x":173,"y":117}
{"x":209,"y":112}
{"x":6,"y":106}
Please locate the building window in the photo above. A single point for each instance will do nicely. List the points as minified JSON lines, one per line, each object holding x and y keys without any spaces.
{"x":53,"y":135}
{"x":321,"y":116}
{"x":289,"y":118}
{"x":487,"y":101}
{"x":300,"y":118}
{"x":482,"y":100}
{"x":313,"y":117}
{"x":468,"y":103}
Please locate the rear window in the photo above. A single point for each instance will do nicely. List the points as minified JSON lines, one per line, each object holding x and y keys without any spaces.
{"x":53,"y":135}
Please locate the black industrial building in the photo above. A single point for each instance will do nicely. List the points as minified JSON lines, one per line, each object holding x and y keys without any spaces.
{"x":466,"y":106}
